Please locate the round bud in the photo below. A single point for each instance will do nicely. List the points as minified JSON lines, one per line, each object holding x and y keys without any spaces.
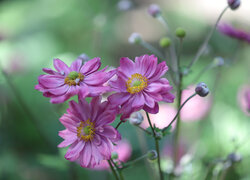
{"x":154,"y":10}
{"x":233,"y":157}
{"x":180,"y":32}
{"x":158,"y":135}
{"x":218,"y":61}
{"x":124,"y":5}
{"x":202,"y":89}
{"x":114,"y":155}
{"x":234,"y":4}
{"x":135,"y":38}
{"x":136,"y":118}
{"x":152,"y":155}
{"x":84,"y":57}
{"x":165,"y":42}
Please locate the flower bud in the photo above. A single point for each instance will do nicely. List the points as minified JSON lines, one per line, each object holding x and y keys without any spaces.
{"x":152,"y":155}
{"x":180,"y":32}
{"x":124,"y":5}
{"x":135,"y":38}
{"x":136,"y":118}
{"x":202,"y":89}
{"x":158,"y":135}
{"x":165,"y":42}
{"x":114,"y":155}
{"x":233,"y":157}
{"x":154,"y":10}
{"x":218,"y":61}
{"x":233,"y":4}
{"x":84,"y":57}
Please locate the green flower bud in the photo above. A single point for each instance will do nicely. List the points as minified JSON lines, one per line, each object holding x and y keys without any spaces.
{"x":181,"y":33}
{"x":114,"y":155}
{"x":165,"y":42}
{"x":152,"y":155}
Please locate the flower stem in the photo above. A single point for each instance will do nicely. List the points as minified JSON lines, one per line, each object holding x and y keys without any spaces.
{"x":152,"y":49}
{"x":145,"y":130}
{"x":204,"y":45}
{"x":156,"y":147}
{"x":113,"y":170}
{"x":117,"y":126}
{"x":190,"y":97}
{"x":134,"y":161}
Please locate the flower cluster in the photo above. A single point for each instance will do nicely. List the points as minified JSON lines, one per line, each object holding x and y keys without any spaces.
{"x":136,"y":85}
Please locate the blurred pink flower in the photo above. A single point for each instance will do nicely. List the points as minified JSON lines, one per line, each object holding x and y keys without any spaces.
{"x":232,"y":32}
{"x":162,"y":118}
{"x":244,"y":98}
{"x":196,"y":108}
{"x":123,"y":149}
{"x":168,"y":150}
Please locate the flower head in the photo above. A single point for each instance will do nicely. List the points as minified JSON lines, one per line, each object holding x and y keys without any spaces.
{"x":234,"y":4}
{"x":88,"y":132}
{"x":154,"y":10}
{"x":78,"y":79}
{"x":139,"y":85}
{"x":232,"y":32}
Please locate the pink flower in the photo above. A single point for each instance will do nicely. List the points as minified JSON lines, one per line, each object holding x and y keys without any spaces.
{"x":88,"y":132}
{"x":195,"y":109}
{"x":139,"y":85}
{"x":232,"y":32}
{"x":123,"y":150}
{"x":162,"y":118}
{"x":83,"y":80}
{"x":244,"y":99}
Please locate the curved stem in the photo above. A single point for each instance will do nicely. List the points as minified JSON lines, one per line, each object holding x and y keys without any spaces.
{"x":117,"y":126}
{"x":113,"y":170}
{"x":178,"y":112}
{"x":134,"y":161}
{"x":156,"y":147}
{"x":204,"y":45}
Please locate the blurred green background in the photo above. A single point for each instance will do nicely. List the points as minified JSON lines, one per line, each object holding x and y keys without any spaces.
{"x":33,"y":32}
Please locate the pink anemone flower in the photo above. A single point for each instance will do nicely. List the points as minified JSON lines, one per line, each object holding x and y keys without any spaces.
{"x":88,"y":132}
{"x":79,"y":79}
{"x":122,"y":149}
{"x":139,"y":85}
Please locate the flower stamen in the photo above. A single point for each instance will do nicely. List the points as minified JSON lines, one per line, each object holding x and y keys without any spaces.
{"x":136,"y":83}
{"x":86,"y":130}
{"x":74,"y":78}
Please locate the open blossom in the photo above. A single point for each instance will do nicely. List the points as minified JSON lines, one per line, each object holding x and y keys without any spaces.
{"x":88,"y":132}
{"x":122,"y":149}
{"x":79,"y":79}
{"x":232,"y":32}
{"x":139,"y":85}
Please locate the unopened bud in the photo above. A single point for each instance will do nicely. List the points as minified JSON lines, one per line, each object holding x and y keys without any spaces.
{"x":218,"y":61}
{"x":202,"y":89}
{"x":154,"y":10}
{"x":152,"y":155}
{"x":84,"y":57}
{"x":135,"y":38}
{"x":165,"y":42}
{"x":234,"y":4}
{"x":114,"y":155}
{"x":180,"y":32}
{"x":158,"y":135}
{"x":233,"y":157}
{"x":136,"y":118}
{"x":124,"y":5}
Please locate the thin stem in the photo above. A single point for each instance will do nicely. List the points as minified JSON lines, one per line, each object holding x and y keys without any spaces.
{"x":113,"y":170}
{"x":145,"y":130}
{"x":134,"y":161}
{"x":157,"y":148}
{"x":25,"y":108}
{"x":153,"y":50}
{"x":204,"y":45}
{"x":178,"y":112}
{"x":117,"y":169}
{"x":117,"y":126}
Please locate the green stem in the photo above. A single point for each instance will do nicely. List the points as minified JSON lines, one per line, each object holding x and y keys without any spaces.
{"x":117,"y":126}
{"x":134,"y":161}
{"x":157,"y":148}
{"x":145,"y":130}
{"x":178,"y":112}
{"x":113,"y":170}
{"x":153,"y":50}
{"x":204,"y":45}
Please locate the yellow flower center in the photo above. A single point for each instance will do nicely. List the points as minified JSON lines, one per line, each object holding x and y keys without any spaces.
{"x":136,"y":83}
{"x":74,"y":78}
{"x":86,"y":130}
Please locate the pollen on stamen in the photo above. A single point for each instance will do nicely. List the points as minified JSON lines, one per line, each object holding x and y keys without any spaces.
{"x":136,"y":83}
{"x":86,"y":131}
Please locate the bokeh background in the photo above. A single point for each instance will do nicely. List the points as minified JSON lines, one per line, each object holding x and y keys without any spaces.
{"x":33,"y":32}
